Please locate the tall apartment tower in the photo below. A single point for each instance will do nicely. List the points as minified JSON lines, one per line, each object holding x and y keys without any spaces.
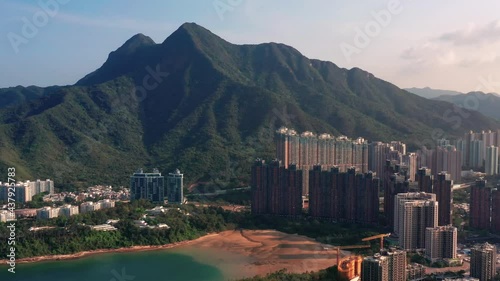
{"x":480,"y":205}
{"x":443,"y":190}
{"x":375,"y":268}
{"x":259,"y":187}
{"x":410,"y":161}
{"x":491,"y":162}
{"x":275,"y":189}
{"x":149,"y":186}
{"x":441,"y":242}
{"x":343,"y":196}
{"x":175,"y":187}
{"x":495,"y":210}
{"x":396,"y":264}
{"x":323,"y":193}
{"x":395,"y":183}
{"x":483,"y":262}
{"x":476,"y":153}
{"x":425,"y":179}
{"x":414,"y":213}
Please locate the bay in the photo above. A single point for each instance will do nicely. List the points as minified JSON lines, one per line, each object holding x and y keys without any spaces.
{"x":131,"y":266}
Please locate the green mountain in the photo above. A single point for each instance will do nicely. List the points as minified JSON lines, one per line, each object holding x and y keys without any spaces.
{"x":17,"y":95}
{"x":487,"y":104}
{"x":208,"y":107}
{"x":429,"y":93}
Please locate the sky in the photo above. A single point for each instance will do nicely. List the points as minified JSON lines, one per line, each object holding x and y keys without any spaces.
{"x":446,"y":44}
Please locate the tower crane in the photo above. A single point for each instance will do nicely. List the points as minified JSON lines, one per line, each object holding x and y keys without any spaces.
{"x":380,"y":236}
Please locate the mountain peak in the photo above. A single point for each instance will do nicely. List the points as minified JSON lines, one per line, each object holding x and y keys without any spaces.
{"x":131,"y":45}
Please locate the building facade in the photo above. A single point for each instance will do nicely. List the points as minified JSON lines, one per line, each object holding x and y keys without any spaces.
{"x":343,"y":196}
{"x":276,"y":190}
{"x":415,"y":212}
{"x":483,"y":262}
{"x":149,"y":186}
{"x":480,"y":205}
{"x":443,"y":189}
{"x":441,"y":243}
{"x":491,"y":161}
{"x":175,"y":187}
{"x":375,"y":268}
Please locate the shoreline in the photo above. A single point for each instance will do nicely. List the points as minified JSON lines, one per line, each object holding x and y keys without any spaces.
{"x":104,"y":251}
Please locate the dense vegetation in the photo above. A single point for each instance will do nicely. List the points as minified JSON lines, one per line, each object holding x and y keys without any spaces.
{"x":73,"y":234}
{"x":210,"y":108}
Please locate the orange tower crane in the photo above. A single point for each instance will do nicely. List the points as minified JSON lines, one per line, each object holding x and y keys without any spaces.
{"x":380,"y":236}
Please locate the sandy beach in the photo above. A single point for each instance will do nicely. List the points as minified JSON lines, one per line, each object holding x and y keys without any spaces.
{"x":238,"y":253}
{"x":246,"y":253}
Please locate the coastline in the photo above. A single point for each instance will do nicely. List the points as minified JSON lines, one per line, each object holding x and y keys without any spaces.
{"x":103,"y":251}
{"x":237,"y":253}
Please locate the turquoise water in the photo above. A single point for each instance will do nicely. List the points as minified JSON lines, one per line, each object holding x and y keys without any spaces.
{"x":133,"y":266}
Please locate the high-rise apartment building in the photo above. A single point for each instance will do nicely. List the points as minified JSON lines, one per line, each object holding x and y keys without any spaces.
{"x":375,"y":268}
{"x":175,"y":186}
{"x":495,"y":210}
{"x":343,"y":196}
{"x":259,"y":187}
{"x":480,"y":205}
{"x":26,"y":190}
{"x":443,"y":189}
{"x":395,"y":183}
{"x":414,"y":212}
{"x":441,"y":243}
{"x":396,"y":264}
{"x":476,"y":154}
{"x":410,"y":161}
{"x":324,"y":193}
{"x":308,"y":149}
{"x":483,"y":262}
{"x":425,"y":180}
{"x":150,"y":186}
{"x":275,"y":189}
{"x":491,"y":162}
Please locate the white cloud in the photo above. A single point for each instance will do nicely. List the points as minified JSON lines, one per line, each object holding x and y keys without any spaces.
{"x":469,"y":47}
{"x":473,"y":35}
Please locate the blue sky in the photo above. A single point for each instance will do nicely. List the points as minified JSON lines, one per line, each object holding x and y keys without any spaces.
{"x":442,"y":44}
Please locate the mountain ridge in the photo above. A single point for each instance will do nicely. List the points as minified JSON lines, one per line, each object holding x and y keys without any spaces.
{"x":210,"y":107}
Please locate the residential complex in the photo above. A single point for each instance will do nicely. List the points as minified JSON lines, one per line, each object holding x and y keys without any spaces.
{"x":441,"y":243}
{"x":443,"y":190}
{"x":479,"y":205}
{"x":275,"y":189}
{"x":483,"y":262}
{"x":414,"y":212}
{"x":343,"y":196}
{"x":375,"y":268}
{"x":90,"y":206}
{"x":24,"y":191}
{"x":175,"y":187}
{"x":149,"y":186}
{"x":491,"y":162}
